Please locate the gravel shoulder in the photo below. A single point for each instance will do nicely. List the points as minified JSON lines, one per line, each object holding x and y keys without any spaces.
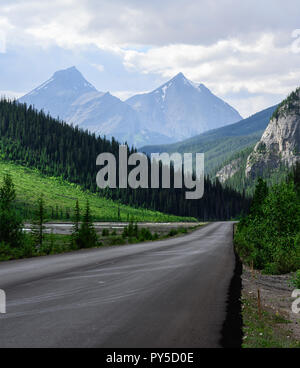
{"x":276,"y":299}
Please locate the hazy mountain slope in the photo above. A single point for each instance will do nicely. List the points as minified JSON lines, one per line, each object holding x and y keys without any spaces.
{"x":220,"y":144}
{"x":70,"y":97}
{"x":176,"y":110}
{"x":58,"y":93}
{"x":180,"y":109}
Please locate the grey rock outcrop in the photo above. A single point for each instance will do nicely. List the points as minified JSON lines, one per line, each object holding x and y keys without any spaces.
{"x":228,"y":170}
{"x":280,"y":143}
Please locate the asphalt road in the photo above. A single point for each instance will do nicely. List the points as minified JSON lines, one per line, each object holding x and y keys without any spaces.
{"x":168,"y":294}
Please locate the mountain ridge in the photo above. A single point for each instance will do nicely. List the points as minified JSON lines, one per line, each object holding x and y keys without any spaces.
{"x":181,"y":108}
{"x":178,"y":108}
{"x":220,"y":144}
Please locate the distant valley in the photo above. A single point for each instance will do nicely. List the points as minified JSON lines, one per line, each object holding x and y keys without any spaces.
{"x":220,"y":144}
{"x":179,"y":116}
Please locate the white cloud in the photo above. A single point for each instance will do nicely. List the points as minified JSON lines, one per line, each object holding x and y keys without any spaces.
{"x":235,"y":47}
{"x":5,"y":27}
{"x":99,"y":67}
{"x":153,"y":23}
{"x":11,"y":94}
{"x":2,"y":43}
{"x":266,"y":71}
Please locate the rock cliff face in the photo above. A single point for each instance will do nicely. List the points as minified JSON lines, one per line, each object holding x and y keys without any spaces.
{"x":280,"y":143}
{"x":229,"y":170}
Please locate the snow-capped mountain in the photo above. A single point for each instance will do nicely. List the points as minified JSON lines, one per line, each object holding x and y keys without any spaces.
{"x":178,"y":109}
{"x":70,"y":97}
{"x":58,"y":93}
{"x":181,"y":108}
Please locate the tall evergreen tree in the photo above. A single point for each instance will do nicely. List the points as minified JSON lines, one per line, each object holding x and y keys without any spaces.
{"x":38,"y":226}
{"x":76,"y":218}
{"x":76,"y":221}
{"x":11,"y":224}
{"x":119,"y":214}
{"x":260,"y":194}
{"x":87,"y":236}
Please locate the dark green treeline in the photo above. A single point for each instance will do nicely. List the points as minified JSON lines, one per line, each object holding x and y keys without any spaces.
{"x":36,"y":140}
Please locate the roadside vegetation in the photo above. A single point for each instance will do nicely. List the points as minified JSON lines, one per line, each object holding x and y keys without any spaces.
{"x":268,"y":240}
{"x":16,"y":244}
{"x":269,"y":237}
{"x":270,"y":330}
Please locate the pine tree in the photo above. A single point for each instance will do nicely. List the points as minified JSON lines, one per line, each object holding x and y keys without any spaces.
{"x":76,"y":218}
{"x":260,"y":194}
{"x":75,"y":232}
{"x":11,"y":225}
{"x":38,"y":226}
{"x":87,"y":236}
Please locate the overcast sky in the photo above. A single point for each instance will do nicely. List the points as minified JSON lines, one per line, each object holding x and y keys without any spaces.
{"x":247,"y":52}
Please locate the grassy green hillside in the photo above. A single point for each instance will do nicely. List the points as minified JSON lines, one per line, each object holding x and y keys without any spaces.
{"x":220,"y":144}
{"x":60,"y":197}
{"x":35,"y":140}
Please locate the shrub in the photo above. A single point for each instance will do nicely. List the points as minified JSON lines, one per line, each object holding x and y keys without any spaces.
{"x":173,"y":232}
{"x":155,"y":236}
{"x":183,"y":230}
{"x":105,"y":232}
{"x":145,"y":234}
{"x":131,"y":230}
{"x":117,"y":241}
{"x":296,"y":279}
{"x":133,"y":240}
{"x":269,"y":237}
{"x":27,"y":250}
{"x":6,"y":252}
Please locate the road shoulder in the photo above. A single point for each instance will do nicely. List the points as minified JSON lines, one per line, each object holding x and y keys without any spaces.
{"x":274,"y":324}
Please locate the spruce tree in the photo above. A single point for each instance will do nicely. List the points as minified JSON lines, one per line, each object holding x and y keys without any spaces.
{"x":11,"y":224}
{"x":76,"y":218}
{"x":75,"y":232}
{"x":87,"y":236}
{"x":260,"y":194}
{"x":38,"y":226}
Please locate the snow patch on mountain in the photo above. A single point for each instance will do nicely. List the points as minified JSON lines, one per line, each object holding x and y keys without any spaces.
{"x":174,"y":111}
{"x":181,"y":108}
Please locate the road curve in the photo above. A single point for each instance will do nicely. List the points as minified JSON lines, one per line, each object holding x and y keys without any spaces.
{"x":169,"y":293}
